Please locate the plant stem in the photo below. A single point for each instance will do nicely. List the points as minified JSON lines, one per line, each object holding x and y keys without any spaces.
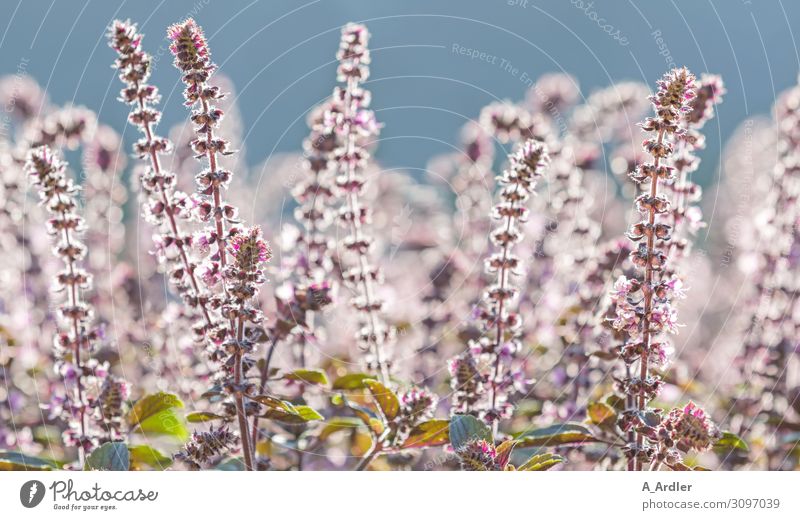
{"x":262,"y":384}
{"x":375,"y":450}
{"x":354,"y":208}
{"x":169,"y":209}
{"x":235,"y":329}
{"x":648,"y":296}
{"x":502,"y":278}
{"x":219,"y":224}
{"x":77,"y":331}
{"x":629,"y":404}
{"x":239,"y":398}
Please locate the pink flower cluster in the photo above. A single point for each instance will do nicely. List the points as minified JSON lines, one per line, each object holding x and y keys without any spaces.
{"x":490,"y":362}
{"x":643,"y":306}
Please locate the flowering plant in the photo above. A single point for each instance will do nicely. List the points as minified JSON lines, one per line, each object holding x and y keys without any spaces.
{"x":376,"y":320}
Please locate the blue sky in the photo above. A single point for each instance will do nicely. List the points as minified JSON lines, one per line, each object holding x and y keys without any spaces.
{"x":280,"y":55}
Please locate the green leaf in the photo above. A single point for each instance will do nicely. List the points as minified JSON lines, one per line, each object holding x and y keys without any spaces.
{"x":466,"y":428}
{"x":47,"y":434}
{"x":274,"y":403}
{"x":367,"y":416}
{"x":556,"y":435}
{"x":258,"y":334}
{"x":435,"y":432}
{"x":790,"y":438}
{"x":16,"y":461}
{"x":165,"y":422}
{"x":150,"y":405}
{"x":196,"y":417}
{"x":601,"y":413}
{"x":308,"y":413}
{"x":299,"y":414}
{"x":111,"y":456}
{"x":232,"y":464}
{"x":337,"y":424}
{"x":504,"y":450}
{"x":386,"y":399}
{"x":541,"y":462}
{"x":351,"y":381}
{"x":274,"y":414}
{"x":616,"y":402}
{"x":605,"y":356}
{"x":650,"y":418}
{"x":213,"y":393}
{"x":306,"y":375}
{"x":145,"y":455}
{"x":731,"y":441}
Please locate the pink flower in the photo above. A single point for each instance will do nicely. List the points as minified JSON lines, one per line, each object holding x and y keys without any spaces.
{"x":691,"y":428}
{"x":675,"y":286}
{"x":249,"y":249}
{"x":660,"y":353}
{"x":626,"y":320}
{"x":479,"y":455}
{"x":366,"y":124}
{"x":203,"y":242}
{"x":417,"y":405}
{"x":189,"y":46}
{"x":210,"y":274}
{"x":664,"y":317}
{"x":694,"y":219}
{"x":622,"y":287}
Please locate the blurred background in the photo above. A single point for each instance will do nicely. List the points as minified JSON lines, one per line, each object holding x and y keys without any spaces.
{"x":435,"y":64}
